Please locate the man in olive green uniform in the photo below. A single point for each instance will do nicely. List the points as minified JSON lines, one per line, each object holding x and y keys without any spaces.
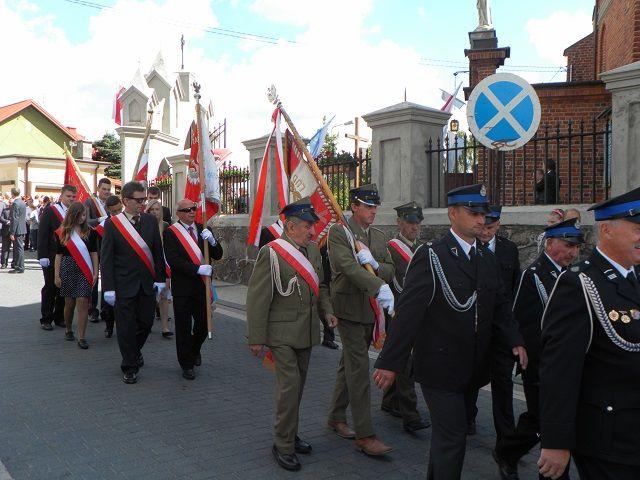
{"x":400,"y":398}
{"x":283,"y":293}
{"x":350,"y":248}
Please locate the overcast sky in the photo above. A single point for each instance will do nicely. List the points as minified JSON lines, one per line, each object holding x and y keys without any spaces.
{"x":342,"y":57}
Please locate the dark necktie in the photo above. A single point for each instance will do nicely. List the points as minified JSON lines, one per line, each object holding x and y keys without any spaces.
{"x":135,"y":220}
{"x":303,"y":250}
{"x":472,"y":254}
{"x":193,"y":235}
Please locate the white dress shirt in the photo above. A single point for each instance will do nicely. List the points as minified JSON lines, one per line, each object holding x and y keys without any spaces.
{"x":558,"y":267}
{"x":466,"y":247}
{"x":623,"y":271}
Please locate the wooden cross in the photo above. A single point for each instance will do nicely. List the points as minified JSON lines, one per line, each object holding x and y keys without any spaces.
{"x":356,"y":136}
{"x":357,"y":139}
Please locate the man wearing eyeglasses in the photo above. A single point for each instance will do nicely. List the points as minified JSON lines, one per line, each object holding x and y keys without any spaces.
{"x":184,"y":244}
{"x":133,"y":273}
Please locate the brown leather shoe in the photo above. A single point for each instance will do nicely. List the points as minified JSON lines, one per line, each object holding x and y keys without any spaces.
{"x":372,"y":446}
{"x":342,"y":429}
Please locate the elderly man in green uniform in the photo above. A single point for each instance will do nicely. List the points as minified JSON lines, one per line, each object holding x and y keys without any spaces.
{"x":283,"y":294}
{"x":400,"y":398}
{"x":354,"y":292}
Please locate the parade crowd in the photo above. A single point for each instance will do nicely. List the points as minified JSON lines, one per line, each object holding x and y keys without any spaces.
{"x":452,"y":315}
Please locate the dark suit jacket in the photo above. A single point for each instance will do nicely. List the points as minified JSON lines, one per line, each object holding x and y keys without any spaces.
{"x":185,"y":280}
{"x":122,"y":269}
{"x":49,"y":223}
{"x":589,"y":383}
{"x":18,"y":217}
{"x":509,"y":263}
{"x":93,"y":215}
{"x":5,"y":220}
{"x":166,"y":215}
{"x":451,"y":349}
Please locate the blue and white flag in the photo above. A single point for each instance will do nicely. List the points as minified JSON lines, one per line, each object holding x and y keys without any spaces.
{"x":317,"y":141}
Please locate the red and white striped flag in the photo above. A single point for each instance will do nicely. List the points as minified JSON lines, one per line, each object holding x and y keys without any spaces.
{"x":117,"y":106}
{"x":143,"y":169}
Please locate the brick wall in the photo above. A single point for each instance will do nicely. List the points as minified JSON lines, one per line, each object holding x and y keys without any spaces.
{"x":580,"y":60}
{"x":618,"y":33}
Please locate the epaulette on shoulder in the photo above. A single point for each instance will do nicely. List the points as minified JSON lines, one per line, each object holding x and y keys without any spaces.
{"x":580,"y":267}
{"x":376,"y":229}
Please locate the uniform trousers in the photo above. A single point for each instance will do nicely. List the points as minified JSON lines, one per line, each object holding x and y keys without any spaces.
{"x":6,"y":246}
{"x":106,"y":314}
{"x":352,"y":380}
{"x":18,"y":253}
{"x":592,"y":468}
{"x":448,"y":412}
{"x":94,"y":299}
{"x":291,"y":365}
{"x":191,"y":327}
{"x":134,"y":319}
{"x":51,"y":302}
{"x":401,"y":395}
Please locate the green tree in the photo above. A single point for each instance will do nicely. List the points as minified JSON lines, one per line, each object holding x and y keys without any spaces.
{"x":109,"y":149}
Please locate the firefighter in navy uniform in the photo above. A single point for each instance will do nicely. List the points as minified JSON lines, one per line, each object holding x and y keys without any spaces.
{"x":400,"y":398}
{"x":590,"y":360}
{"x":561,"y":247}
{"x":452,"y":305}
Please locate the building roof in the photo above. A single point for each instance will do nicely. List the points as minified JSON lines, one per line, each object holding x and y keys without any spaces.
{"x":578,"y":44}
{"x":10,"y":110}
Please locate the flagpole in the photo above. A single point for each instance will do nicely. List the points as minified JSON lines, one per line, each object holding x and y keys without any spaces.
{"x":144,"y":143}
{"x":203,"y":202}
{"x":317,"y":173}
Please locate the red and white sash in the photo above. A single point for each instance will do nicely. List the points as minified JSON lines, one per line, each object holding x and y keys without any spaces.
{"x":298,"y":262}
{"x":80,"y":253}
{"x":275,"y":229}
{"x":188,"y":243}
{"x":133,"y":238}
{"x":100,"y":228}
{"x":58,"y":211}
{"x":401,"y":248}
{"x":100,"y":207}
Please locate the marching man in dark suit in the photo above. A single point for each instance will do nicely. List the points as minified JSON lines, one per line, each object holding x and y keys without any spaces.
{"x":452,"y":304}
{"x":502,"y":361}
{"x":590,"y":360}
{"x":400,"y":398}
{"x":96,"y":213}
{"x":133,"y":273}
{"x":18,"y":230}
{"x":183,"y":248}
{"x":561,"y":248}
{"x":52,"y":304}
{"x":286,"y":296}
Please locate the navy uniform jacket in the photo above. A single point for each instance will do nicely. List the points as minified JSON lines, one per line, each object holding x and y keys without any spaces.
{"x":49,"y":223}
{"x":589,"y":383}
{"x":451,"y":349}
{"x":509,"y":263}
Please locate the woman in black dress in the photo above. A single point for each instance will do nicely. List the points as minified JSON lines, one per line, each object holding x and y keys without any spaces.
{"x":162,"y":307}
{"x":73,"y":285}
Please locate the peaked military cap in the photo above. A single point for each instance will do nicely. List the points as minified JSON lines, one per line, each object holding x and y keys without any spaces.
{"x":626,"y":206}
{"x":302,"y":209}
{"x":474,"y":197}
{"x":569,"y":231}
{"x":411,"y":212}
{"x":494,"y":214}
{"x":367,"y":194}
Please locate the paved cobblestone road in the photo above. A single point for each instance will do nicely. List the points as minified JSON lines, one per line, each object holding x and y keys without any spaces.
{"x":66,"y":414}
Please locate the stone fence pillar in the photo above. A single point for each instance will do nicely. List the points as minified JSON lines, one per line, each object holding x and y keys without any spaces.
{"x":624,"y":85}
{"x":400,"y":134}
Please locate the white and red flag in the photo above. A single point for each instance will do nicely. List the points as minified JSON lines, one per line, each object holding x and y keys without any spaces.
{"x":451,"y":100}
{"x":143,"y":168}
{"x":117,"y":106}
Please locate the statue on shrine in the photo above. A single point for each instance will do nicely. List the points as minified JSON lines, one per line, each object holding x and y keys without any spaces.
{"x":484,"y":15}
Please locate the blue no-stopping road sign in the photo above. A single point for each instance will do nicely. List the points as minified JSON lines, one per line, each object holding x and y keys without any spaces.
{"x":503,"y":111}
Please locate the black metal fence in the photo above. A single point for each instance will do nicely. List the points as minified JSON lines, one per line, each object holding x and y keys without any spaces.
{"x":344,"y":172}
{"x":567,"y":164}
{"x":234,"y":189}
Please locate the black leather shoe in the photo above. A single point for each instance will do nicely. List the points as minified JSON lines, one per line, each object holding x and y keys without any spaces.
{"x":394,"y":412}
{"x":330,"y":344}
{"x":140,"y":361}
{"x":83,"y":344}
{"x":302,"y":446}
{"x":416,"y":425}
{"x":507,"y":472}
{"x":286,"y":461}
{"x":108,"y":333}
{"x":46,"y":326}
{"x":16,"y":271}
{"x":168,"y":334}
{"x":198,"y":360}
{"x":188,"y":373}
{"x":94,"y":317}
{"x":68,"y":336}
{"x":471,"y":428}
{"x":130,"y":378}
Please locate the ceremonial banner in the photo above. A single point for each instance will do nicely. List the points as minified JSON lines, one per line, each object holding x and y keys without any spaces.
{"x":117,"y":106}
{"x":303,"y":183}
{"x":73,"y":176}
{"x":143,"y":169}
{"x":192,"y":189}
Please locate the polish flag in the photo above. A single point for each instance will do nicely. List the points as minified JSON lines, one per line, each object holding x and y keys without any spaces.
{"x":141,"y":174}
{"x":117,"y":107}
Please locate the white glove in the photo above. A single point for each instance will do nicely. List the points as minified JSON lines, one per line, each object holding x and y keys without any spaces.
{"x":385,"y":298}
{"x":44,"y":262}
{"x":159,"y":287}
{"x":208,"y":236}
{"x":102,"y":219}
{"x":205,"y":270}
{"x":364,"y":257}
{"x":110,"y":297}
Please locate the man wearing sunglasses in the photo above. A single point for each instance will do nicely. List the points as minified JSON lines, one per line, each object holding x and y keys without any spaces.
{"x":133,"y":273}
{"x":184,"y":244}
